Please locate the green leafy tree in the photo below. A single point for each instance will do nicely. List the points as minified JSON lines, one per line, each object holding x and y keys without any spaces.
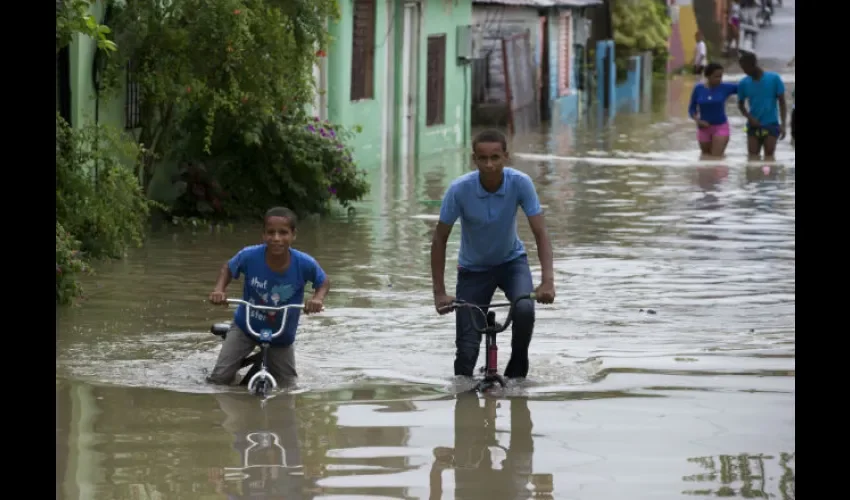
{"x":201,"y":64}
{"x":640,"y":26}
{"x":74,"y":17}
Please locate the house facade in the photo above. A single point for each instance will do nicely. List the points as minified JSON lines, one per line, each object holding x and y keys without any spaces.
{"x":399,"y":69}
{"x":558,"y":33}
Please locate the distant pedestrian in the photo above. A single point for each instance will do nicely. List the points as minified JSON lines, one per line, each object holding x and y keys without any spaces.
{"x":761,"y":91}
{"x":700,"y":55}
{"x":708,"y":110}
{"x":734,"y":29}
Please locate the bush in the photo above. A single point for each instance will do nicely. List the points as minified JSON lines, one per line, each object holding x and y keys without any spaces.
{"x":69,"y":265}
{"x":303,"y":163}
{"x":98,"y":198}
{"x":100,"y":209}
{"x":212,"y":61}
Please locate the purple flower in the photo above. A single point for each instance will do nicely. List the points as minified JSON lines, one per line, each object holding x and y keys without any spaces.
{"x":339,"y":146}
{"x":323,"y":132}
{"x":311,"y":128}
{"x":315,"y":118}
{"x":332,"y":133}
{"x":331,"y":190}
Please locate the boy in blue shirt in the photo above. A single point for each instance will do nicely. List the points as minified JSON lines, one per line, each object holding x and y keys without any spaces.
{"x":491,"y":253}
{"x":275,"y":274}
{"x":761,"y":90}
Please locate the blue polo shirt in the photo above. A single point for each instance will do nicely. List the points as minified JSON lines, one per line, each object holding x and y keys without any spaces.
{"x":488,"y":234}
{"x":762,"y":96}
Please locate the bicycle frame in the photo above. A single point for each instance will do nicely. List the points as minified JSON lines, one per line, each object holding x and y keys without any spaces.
{"x":491,"y":328}
{"x":259,"y":383}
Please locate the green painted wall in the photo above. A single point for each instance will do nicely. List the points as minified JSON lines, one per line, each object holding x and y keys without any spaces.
{"x":366,"y":113}
{"x":437,"y":17}
{"x":444,"y":16}
{"x":111,"y":106}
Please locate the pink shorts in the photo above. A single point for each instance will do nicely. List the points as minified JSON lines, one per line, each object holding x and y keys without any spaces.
{"x":706,"y":134}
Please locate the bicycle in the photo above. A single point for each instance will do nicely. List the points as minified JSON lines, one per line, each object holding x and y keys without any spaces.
{"x":491,"y":328}
{"x":259,"y":381}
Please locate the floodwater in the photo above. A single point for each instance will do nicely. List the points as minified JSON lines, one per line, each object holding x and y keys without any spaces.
{"x":665,"y":369}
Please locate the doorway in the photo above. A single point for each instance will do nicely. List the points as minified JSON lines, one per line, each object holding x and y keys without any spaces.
{"x":63,"y":84}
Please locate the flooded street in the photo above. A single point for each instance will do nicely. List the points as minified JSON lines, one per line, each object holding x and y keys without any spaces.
{"x":664,"y":370}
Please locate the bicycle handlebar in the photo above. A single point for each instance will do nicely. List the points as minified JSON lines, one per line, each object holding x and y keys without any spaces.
{"x":248,"y":306}
{"x":496,"y":328}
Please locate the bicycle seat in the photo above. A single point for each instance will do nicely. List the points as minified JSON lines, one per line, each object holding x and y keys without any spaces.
{"x":220,"y":329}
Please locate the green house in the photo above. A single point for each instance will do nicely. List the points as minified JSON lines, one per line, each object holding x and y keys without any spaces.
{"x":397,"y":68}
{"x":400,"y":70}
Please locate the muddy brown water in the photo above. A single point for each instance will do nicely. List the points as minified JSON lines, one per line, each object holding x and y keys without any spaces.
{"x":697,"y":399}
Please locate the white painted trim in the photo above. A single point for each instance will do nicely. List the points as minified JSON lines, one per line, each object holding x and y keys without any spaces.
{"x":388,"y":95}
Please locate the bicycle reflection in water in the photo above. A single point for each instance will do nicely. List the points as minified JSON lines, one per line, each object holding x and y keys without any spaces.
{"x":267,"y":440}
{"x":482,"y":466}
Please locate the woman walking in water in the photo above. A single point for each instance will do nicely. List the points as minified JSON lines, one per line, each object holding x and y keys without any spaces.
{"x":708,"y":110}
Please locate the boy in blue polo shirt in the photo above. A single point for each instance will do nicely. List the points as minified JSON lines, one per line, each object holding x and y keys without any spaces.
{"x":762,"y":90}
{"x":491,"y":253}
{"x":275,"y":274}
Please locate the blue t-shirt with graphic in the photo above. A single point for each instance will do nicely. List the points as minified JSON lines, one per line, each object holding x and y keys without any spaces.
{"x":268,"y":288}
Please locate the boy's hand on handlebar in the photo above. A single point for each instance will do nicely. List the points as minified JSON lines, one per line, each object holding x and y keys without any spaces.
{"x":218,"y":297}
{"x":313,"y":306}
{"x":443,"y":303}
{"x":545,"y":293}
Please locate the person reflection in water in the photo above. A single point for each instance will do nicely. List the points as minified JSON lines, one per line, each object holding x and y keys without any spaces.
{"x":269,"y":465}
{"x":482,"y":466}
{"x":708,"y":179}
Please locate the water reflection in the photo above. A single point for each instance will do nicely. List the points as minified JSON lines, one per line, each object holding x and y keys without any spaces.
{"x":266,"y":439}
{"x":482,"y":466}
{"x":708,"y":179}
{"x":744,"y":476}
{"x":710,"y":247}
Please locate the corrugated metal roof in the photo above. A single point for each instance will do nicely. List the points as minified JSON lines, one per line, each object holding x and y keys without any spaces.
{"x":542,"y":3}
{"x":518,"y":3}
{"x":577,"y":3}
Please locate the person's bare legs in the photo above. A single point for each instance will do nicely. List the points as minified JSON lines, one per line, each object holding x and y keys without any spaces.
{"x":770,"y":147}
{"x":705,"y":148}
{"x":753,"y":147}
{"x":718,"y":145}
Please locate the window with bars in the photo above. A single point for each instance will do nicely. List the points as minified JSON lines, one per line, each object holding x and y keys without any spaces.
{"x":363,"y":51}
{"x":132,"y":118}
{"x":435,"y":95}
{"x":565,"y":59}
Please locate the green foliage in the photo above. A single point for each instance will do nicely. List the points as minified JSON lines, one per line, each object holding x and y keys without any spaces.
{"x":74,"y":17}
{"x":640,"y":26}
{"x":302,"y":163}
{"x":69,"y":265}
{"x":98,"y":199}
{"x":212,"y":62}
